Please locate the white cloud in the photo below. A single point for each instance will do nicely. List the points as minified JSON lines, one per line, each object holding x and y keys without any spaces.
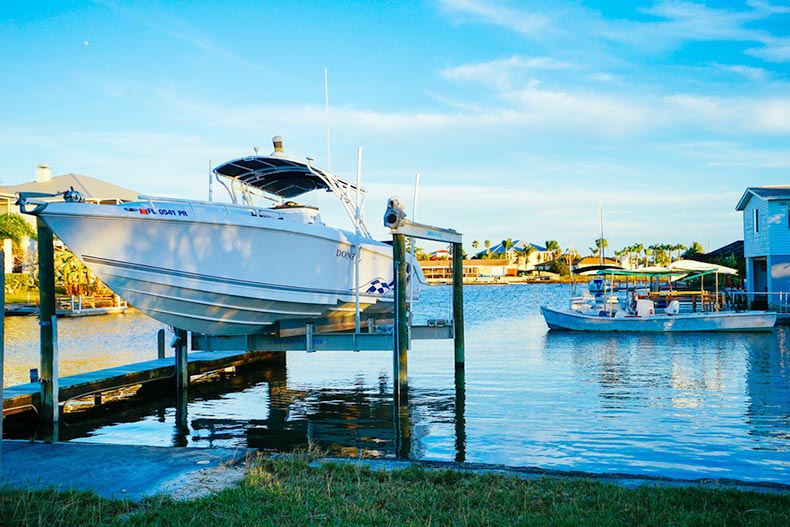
{"x":748,"y":72}
{"x":514,"y":19}
{"x":732,"y":114}
{"x":567,"y":24}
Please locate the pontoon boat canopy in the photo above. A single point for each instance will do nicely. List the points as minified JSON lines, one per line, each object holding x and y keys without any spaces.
{"x":281,"y":176}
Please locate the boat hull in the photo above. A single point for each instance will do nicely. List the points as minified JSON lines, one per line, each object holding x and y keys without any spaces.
{"x":223,"y":270}
{"x":688,"y":322}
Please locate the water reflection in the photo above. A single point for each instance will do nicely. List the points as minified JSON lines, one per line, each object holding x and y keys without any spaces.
{"x":680,"y":405}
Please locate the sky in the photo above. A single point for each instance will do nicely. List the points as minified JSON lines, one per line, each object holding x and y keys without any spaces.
{"x":524,"y":120}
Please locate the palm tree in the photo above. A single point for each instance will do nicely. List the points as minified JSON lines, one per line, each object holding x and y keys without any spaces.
{"x":637,"y":250}
{"x":696,"y":248}
{"x":507,"y":245}
{"x":15,"y":228}
{"x":601,"y":243}
{"x":648,"y":252}
{"x":679,"y":247}
{"x":553,"y":247}
{"x":487,"y":245}
{"x":526,"y":252}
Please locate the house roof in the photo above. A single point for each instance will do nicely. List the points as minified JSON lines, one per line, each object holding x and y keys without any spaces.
{"x":92,"y":189}
{"x":771,"y":193}
{"x":518,"y":245}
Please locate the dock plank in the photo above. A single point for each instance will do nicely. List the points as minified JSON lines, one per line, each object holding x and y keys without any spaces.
{"x":20,"y":397}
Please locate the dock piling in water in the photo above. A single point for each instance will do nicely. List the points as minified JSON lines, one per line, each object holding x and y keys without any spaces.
{"x":50,"y":407}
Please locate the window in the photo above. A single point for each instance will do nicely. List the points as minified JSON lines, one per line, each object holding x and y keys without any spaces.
{"x":756,"y":221}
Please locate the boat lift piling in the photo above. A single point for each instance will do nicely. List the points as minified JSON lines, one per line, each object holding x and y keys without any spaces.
{"x":395,"y":219}
{"x":50,"y":408}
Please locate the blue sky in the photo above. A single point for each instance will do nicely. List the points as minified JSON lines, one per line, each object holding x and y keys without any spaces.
{"x":521,"y":117}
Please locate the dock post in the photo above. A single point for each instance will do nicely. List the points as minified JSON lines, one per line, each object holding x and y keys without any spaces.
{"x":401,"y":341}
{"x":458,"y":304}
{"x":2,"y":347}
{"x":180,"y":343}
{"x":46,"y":283}
{"x":181,"y":361}
{"x":160,"y":344}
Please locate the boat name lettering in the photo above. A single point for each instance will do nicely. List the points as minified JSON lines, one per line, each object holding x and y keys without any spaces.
{"x":157,"y":212}
{"x":342,"y":253}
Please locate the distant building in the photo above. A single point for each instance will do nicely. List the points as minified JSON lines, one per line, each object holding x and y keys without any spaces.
{"x":536,"y":257}
{"x":92,"y":189}
{"x":766,"y":241}
{"x":473,"y":270}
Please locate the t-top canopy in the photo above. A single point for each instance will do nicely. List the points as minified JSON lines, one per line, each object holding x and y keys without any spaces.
{"x":281,"y":176}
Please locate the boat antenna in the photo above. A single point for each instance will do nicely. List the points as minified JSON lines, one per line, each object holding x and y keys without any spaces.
{"x":601,"y":253}
{"x":357,"y":220}
{"x":210,"y":182}
{"x":326,"y":97}
{"x":411,"y":239}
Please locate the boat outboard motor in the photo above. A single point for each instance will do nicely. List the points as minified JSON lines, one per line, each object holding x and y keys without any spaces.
{"x":394,"y":214}
{"x":597,"y":286}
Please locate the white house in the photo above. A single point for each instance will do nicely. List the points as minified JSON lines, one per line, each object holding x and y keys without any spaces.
{"x":766,"y":241}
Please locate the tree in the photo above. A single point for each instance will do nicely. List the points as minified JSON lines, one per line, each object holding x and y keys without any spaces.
{"x":553,"y":247}
{"x":527,"y":251}
{"x":487,"y":244}
{"x":475,"y":245}
{"x":507,"y":245}
{"x":679,"y":247}
{"x":15,"y":228}
{"x":695,"y":249}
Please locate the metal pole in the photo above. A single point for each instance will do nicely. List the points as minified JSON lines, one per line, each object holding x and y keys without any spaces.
{"x":401,"y":348}
{"x":357,"y":217}
{"x":46,"y":285}
{"x":458,"y":304}
{"x":326,"y":96}
{"x":210,"y":182}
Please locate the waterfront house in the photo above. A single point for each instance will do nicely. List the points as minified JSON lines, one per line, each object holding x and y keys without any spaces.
{"x":92,"y":189}
{"x":766,"y":242}
{"x":441,"y":271}
{"x":537,"y":256}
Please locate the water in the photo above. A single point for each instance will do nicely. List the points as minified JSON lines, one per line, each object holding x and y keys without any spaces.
{"x":683,"y":405}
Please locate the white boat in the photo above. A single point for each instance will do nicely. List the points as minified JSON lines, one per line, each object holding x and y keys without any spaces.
{"x":228,"y":268}
{"x":604,"y":310}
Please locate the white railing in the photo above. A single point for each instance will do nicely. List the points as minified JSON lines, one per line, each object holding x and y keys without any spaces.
{"x":778,"y":301}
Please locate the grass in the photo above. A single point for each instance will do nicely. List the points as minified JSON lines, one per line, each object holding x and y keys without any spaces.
{"x":290,"y":492}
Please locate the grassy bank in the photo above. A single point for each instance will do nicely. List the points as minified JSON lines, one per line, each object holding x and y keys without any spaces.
{"x":291,"y":493}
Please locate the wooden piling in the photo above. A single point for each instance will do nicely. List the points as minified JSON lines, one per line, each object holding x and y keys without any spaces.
{"x":160,"y":344}
{"x":458,"y":304}
{"x":181,"y":345}
{"x":2,"y":347}
{"x":401,"y":347}
{"x":46,"y":282}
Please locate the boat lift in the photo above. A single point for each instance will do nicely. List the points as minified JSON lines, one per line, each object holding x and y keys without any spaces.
{"x":396,"y":338}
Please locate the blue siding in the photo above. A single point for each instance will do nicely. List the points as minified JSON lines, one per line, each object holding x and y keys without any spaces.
{"x":755,"y":243}
{"x":778,"y":228}
{"x":779,"y":274}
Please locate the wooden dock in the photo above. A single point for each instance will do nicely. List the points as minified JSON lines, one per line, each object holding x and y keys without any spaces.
{"x":26,"y":397}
